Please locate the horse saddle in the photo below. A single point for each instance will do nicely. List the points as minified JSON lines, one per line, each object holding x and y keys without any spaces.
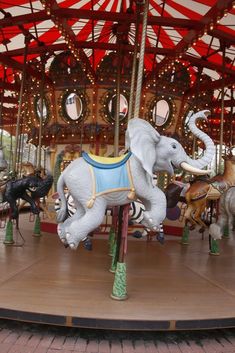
{"x":221,"y":186}
{"x":109,"y":174}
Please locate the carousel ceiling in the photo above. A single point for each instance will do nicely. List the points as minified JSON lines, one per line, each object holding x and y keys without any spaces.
{"x":199,"y":34}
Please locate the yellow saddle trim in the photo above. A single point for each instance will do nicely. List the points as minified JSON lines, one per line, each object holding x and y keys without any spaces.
{"x":106,"y":160}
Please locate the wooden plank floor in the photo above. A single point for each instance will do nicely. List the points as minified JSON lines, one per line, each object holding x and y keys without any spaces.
{"x":169,"y":286}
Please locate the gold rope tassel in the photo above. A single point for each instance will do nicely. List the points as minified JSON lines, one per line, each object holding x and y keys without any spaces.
{"x":90,"y":203}
{"x":131,"y":195}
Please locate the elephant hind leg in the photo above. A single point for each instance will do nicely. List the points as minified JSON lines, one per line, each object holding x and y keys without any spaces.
{"x":78,"y":229}
{"x":78,"y":213}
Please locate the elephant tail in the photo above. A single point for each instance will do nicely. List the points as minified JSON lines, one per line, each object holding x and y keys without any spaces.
{"x":62,"y":213}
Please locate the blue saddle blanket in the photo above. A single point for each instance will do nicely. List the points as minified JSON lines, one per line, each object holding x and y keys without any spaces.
{"x":110,"y":177}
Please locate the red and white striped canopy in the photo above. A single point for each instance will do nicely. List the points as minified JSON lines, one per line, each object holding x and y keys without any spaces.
{"x":195,"y":32}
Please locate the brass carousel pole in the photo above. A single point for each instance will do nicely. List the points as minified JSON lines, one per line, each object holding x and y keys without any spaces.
{"x":27,"y":40}
{"x":117,"y":110}
{"x":39,"y":154}
{"x":119,"y":291}
{"x":113,"y":237}
{"x":222,"y":113}
{"x":141,"y":61}
{"x":37,"y":224}
{"x":232,"y":140}
{"x":3,"y":162}
{"x":9,"y":227}
{"x":134,"y":68}
{"x":1,"y":104}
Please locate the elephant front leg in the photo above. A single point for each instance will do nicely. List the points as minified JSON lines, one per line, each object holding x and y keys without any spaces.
{"x":61,"y":233}
{"x":155,"y":207}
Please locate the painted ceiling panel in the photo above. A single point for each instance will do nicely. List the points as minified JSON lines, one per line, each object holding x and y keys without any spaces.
{"x":101,"y":22}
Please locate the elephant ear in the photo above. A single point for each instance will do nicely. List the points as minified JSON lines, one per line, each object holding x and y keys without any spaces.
{"x":141,"y":139}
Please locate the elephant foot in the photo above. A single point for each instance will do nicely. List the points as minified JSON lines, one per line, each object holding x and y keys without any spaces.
{"x":147,"y":222}
{"x":71,"y":240}
{"x":61,"y":234}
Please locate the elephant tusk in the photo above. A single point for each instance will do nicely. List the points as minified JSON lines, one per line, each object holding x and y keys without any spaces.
{"x":194,"y":170}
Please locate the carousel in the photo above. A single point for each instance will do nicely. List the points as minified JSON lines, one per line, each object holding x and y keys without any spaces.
{"x":117,"y":163}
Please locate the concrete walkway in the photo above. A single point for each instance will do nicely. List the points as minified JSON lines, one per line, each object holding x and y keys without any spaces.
{"x":16,"y":337}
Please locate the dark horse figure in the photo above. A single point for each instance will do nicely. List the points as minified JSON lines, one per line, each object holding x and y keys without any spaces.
{"x":43,"y":188}
{"x":29,"y":188}
{"x":175,"y":193}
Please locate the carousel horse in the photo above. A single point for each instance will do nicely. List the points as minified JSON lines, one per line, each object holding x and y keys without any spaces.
{"x":11,"y":190}
{"x":225,"y":222}
{"x":202,"y":191}
{"x":196,"y":193}
{"x":46,"y":180}
{"x":27,"y":169}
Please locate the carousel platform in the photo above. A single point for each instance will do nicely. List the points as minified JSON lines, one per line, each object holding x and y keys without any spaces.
{"x":170,"y":287}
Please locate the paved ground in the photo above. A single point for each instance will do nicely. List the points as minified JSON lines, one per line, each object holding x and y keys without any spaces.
{"x":18,"y":337}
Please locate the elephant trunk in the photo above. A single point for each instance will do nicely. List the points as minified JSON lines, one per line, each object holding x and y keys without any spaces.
{"x":202,"y":162}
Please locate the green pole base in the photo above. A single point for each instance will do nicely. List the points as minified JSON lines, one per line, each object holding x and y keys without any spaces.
{"x":114,"y":262}
{"x":37,"y":227}
{"x":226,"y":234}
{"x":214,"y":247}
{"x":111,"y":240}
{"x":119,"y":286}
{"x":9,"y":234}
{"x":185,"y":236}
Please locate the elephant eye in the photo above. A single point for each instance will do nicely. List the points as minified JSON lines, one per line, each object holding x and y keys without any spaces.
{"x":174,"y":145}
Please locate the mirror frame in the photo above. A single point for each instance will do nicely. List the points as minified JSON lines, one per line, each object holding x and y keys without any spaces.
{"x":104,"y":102}
{"x":172,"y":108}
{"x":47,"y":102}
{"x":62,"y":105}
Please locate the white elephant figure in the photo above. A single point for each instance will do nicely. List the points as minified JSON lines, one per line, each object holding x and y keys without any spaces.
{"x":149,"y":152}
{"x":226,"y":214}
